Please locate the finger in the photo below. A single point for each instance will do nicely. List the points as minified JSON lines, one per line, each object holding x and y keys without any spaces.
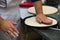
{"x":38,"y":20}
{"x":10,"y":29}
{"x":47,"y":22}
{"x":11,"y":34}
{"x":16,"y":34}
{"x":7,"y":34}
{"x":13,"y":22}
{"x":14,"y":29}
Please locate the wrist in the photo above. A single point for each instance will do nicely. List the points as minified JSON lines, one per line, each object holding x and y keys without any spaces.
{"x":1,"y":21}
{"x":39,"y":13}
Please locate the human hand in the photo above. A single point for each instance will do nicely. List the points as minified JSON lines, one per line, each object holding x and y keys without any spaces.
{"x":8,"y":28}
{"x":41,"y":18}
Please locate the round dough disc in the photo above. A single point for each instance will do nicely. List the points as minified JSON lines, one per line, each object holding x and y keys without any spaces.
{"x":47,"y":10}
{"x":32,"y":22}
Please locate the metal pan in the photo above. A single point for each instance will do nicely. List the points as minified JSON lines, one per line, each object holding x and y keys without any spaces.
{"x":54,"y":26}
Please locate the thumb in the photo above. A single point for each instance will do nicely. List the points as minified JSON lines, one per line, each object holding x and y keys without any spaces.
{"x":38,"y":20}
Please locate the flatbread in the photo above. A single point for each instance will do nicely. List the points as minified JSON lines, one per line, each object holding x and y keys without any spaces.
{"x":47,"y":10}
{"x":32,"y":22}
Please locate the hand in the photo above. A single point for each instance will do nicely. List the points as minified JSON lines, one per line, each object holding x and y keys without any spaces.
{"x":8,"y":27}
{"x":41,"y":18}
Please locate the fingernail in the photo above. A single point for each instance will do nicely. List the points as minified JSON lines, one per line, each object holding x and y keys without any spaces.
{"x":16,"y":34}
{"x":13,"y":35}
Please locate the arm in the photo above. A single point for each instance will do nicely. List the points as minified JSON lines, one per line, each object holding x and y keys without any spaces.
{"x":40,"y":17}
{"x":1,"y":20}
{"x":38,"y":7}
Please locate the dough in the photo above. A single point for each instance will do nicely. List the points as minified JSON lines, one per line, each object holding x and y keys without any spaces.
{"x":32,"y":22}
{"x":47,"y":10}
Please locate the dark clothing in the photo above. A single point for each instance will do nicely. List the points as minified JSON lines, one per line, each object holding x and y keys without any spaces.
{"x":52,"y":2}
{"x":49,"y":2}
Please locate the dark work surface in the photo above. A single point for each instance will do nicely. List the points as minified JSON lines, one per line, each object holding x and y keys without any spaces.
{"x":50,"y":34}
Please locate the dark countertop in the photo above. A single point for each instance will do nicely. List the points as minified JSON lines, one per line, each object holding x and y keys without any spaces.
{"x":51,"y":34}
{"x":48,"y":34}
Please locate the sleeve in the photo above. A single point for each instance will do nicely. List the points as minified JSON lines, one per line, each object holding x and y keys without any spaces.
{"x":34,"y":0}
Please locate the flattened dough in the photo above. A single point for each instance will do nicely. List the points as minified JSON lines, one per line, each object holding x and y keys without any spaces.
{"x":32,"y":22}
{"x":47,"y":10}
